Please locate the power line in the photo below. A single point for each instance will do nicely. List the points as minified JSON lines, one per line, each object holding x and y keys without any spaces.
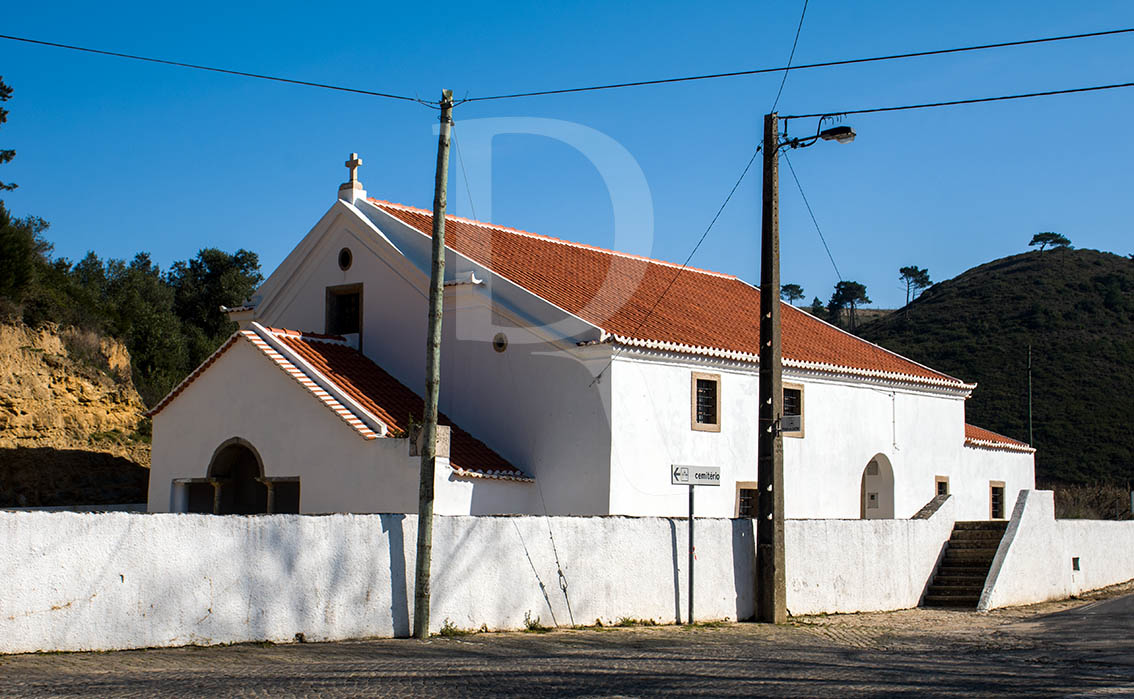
{"x":790,"y":56}
{"x":813,"y":220}
{"x":952,"y":103}
{"x":226,"y":71}
{"x":692,"y":252}
{"x":825,"y":64}
{"x":465,"y":175}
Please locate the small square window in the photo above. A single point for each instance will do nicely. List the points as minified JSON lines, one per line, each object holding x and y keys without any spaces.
{"x":344,"y":310}
{"x":746,"y":495}
{"x":996,"y":500}
{"x":792,"y":422}
{"x":942,"y":485}
{"x":706,"y":402}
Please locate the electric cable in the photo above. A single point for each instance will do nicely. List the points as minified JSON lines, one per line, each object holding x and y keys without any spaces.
{"x":806,"y":203}
{"x":791,"y":56}
{"x":226,"y":71}
{"x":689,"y":257}
{"x":807,"y":66}
{"x":952,"y":103}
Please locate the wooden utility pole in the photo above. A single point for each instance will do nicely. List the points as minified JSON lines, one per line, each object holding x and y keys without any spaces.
{"x":432,"y":379}
{"x":771,"y":587}
{"x":1031,"y":436}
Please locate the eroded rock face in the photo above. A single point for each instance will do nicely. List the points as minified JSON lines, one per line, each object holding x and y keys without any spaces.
{"x":68,"y":389}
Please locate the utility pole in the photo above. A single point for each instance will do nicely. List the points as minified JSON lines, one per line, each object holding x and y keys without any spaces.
{"x":771,"y":587}
{"x":432,"y":379}
{"x":1031,"y":437}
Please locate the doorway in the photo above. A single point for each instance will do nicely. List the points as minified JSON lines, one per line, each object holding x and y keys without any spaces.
{"x":877,"y":489}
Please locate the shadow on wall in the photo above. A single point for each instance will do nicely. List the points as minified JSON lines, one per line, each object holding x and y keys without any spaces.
{"x":43,"y":477}
{"x":394,"y":525}
{"x":744,"y":567}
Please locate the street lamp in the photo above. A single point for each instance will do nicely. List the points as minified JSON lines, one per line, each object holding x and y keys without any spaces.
{"x":771,"y":580}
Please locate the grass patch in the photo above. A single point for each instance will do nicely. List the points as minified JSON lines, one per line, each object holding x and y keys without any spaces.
{"x":534,"y":625}
{"x":631,"y":621}
{"x":451,"y":630}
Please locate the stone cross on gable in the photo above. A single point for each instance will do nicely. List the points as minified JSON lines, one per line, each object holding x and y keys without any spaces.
{"x":352,"y":190}
{"x":353,"y":164}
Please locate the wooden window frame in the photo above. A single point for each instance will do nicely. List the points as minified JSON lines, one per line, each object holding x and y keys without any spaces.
{"x":797,"y":434}
{"x":343,"y":290}
{"x":743,"y":485}
{"x":704,"y":426}
{"x":1003,"y":501}
{"x":944,"y":479}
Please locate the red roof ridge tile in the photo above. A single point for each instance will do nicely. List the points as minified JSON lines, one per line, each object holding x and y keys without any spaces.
{"x":304,"y":335}
{"x":892,"y":353}
{"x":980,"y":437}
{"x":553,"y":239}
{"x":707,"y":313}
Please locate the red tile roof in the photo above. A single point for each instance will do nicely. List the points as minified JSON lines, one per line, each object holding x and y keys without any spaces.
{"x":701,"y":310}
{"x":364,"y":382}
{"x":980,"y":437}
{"x":389,"y":400}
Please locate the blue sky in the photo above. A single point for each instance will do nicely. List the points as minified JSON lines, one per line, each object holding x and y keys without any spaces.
{"x":122,"y":156}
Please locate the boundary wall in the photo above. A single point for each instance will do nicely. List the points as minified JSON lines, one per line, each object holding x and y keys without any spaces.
{"x":1043,"y":558}
{"x":107,"y":581}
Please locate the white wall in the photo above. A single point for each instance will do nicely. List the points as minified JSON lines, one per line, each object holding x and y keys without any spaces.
{"x":840,"y":565}
{"x":244,"y":394}
{"x":846,"y":423}
{"x":530,"y":404}
{"x":116,"y":580}
{"x":112,"y":581}
{"x":1034,"y":560}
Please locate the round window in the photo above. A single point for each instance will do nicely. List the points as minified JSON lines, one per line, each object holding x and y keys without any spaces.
{"x":345,"y":258}
{"x":500,"y":342}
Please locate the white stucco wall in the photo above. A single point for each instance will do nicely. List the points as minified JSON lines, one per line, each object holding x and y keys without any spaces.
{"x":847,"y":422}
{"x":532,"y":403}
{"x":840,"y":565}
{"x":1034,"y":560}
{"x":244,"y":394}
{"x":122,"y":580}
{"x":112,"y":581}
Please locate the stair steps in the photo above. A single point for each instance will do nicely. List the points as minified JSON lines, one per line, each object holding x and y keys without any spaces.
{"x":964,"y":567}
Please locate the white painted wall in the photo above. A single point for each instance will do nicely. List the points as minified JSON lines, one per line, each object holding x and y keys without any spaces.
{"x":846,"y":424}
{"x":119,"y":580}
{"x":112,"y":581}
{"x":244,"y":394}
{"x":1034,"y":560}
{"x":846,"y":565}
{"x":532,"y":403}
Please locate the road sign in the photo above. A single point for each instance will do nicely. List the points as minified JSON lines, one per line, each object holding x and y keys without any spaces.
{"x":695,"y":475}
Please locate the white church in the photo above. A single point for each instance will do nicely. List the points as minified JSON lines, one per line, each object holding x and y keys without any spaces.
{"x":567,"y":386}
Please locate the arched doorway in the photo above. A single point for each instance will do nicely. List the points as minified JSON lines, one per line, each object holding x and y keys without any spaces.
{"x":877,"y":489}
{"x":238,"y":476}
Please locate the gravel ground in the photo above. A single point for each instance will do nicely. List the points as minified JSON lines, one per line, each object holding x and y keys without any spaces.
{"x":1052,"y":649}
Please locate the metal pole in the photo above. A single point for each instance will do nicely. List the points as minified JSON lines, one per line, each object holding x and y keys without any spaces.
{"x":690,"y":619}
{"x":771,"y":586}
{"x":432,"y":380}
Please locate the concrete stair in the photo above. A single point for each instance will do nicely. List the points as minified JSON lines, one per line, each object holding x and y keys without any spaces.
{"x":964,"y":568}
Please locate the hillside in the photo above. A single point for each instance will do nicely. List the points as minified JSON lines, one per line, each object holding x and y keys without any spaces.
{"x":1076,"y":310}
{"x":71,"y":425}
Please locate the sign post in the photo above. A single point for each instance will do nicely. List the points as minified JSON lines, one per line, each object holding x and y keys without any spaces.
{"x":693,"y":476}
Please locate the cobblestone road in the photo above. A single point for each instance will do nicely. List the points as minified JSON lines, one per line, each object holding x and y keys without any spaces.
{"x":1029,"y":652}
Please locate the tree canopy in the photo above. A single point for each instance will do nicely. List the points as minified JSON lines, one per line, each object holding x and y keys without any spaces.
{"x":791,"y":293}
{"x":915,"y":279}
{"x":1055,"y":240}
{"x":847,"y":296}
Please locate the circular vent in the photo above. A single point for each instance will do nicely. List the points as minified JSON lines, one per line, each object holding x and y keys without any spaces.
{"x":500,"y":342}
{"x":345,"y":258}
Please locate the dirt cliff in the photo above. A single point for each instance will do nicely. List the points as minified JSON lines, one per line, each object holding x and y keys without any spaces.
{"x":72,"y":429}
